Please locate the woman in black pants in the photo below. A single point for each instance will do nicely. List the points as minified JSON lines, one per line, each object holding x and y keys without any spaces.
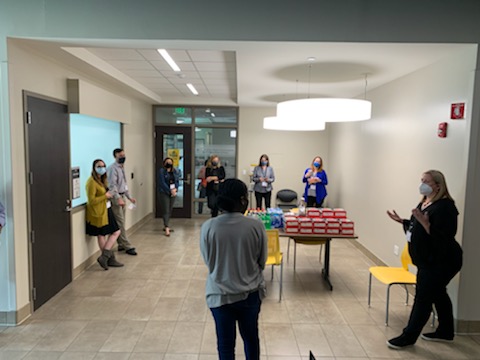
{"x":214,"y":174}
{"x":430,"y":233}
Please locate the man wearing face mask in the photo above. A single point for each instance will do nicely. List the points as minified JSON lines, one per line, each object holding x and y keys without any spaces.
{"x":430,"y":233}
{"x":117,"y":183}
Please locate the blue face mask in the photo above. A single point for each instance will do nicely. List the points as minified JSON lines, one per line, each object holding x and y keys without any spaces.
{"x":316,"y":164}
{"x":101,"y":170}
{"x":264,"y":163}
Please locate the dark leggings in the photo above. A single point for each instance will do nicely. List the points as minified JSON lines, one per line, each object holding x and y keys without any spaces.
{"x":431,"y":289}
{"x":312,"y":202}
{"x":259,"y":196}
{"x":212,"y":203}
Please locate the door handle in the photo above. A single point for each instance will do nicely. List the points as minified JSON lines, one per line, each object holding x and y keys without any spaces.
{"x":68,"y":207}
{"x":187,"y":180}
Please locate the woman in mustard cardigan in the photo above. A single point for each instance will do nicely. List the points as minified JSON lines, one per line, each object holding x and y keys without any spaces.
{"x":100,"y":219}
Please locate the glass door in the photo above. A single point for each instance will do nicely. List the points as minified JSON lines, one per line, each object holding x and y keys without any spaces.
{"x":176,"y":142}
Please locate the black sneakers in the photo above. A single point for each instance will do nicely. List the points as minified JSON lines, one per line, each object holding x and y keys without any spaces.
{"x":131,"y":251}
{"x":436,"y":337}
{"x":400,"y":342}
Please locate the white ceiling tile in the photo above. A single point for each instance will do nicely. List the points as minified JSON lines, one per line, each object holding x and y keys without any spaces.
{"x":208,"y":56}
{"x":186,"y":65}
{"x":143,"y":73}
{"x":160,"y":64}
{"x":150,"y":54}
{"x":211,"y":66}
{"x":179,"y":55}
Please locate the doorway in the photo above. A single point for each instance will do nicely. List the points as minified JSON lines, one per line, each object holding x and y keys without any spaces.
{"x":175,"y":142}
{"x":48,"y":177}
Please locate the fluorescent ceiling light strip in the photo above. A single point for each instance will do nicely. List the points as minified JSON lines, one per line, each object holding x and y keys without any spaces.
{"x":169,"y":59}
{"x":192,"y":89}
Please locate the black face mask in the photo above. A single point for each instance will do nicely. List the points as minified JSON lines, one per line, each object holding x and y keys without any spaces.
{"x":214,"y":163}
{"x":121,"y":160}
{"x":168,"y":165}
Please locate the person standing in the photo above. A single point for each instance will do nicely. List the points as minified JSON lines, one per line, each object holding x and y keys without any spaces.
{"x":215,"y":174}
{"x":100,"y":219}
{"x":119,"y":189}
{"x":263,"y":176}
{"x":430,"y":233}
{"x":2,"y":217}
{"x":168,"y":183}
{"x":315,"y":179}
{"x":202,"y":186}
{"x":234,"y":249}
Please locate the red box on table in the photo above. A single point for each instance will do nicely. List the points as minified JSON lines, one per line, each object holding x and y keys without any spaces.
{"x":339,"y":213}
{"x":327,"y":213}
{"x":314,"y":212}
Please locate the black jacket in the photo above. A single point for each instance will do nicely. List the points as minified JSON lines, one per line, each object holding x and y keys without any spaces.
{"x":439,"y":248}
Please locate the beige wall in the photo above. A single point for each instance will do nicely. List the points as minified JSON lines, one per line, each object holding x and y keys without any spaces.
{"x":290,"y":152}
{"x":377,"y":165}
{"x":31,"y":72}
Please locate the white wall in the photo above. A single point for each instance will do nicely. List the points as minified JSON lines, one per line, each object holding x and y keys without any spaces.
{"x":377,"y":164}
{"x":290,"y":152}
{"x":31,"y":72}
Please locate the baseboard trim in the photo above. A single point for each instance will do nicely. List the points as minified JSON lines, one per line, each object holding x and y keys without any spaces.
{"x":93,"y":258}
{"x":14,"y":318}
{"x":133,"y":229}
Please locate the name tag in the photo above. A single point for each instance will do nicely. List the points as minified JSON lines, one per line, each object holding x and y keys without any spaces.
{"x":313,"y":187}
{"x":109,"y":204}
{"x":408,"y":235}
{"x":264,"y":184}
{"x":126,"y":187}
{"x":172,"y":186}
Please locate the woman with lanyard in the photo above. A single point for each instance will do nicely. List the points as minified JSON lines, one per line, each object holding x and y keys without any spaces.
{"x":168,"y":183}
{"x":215,"y":174}
{"x":100,"y":219}
{"x":315,"y":179}
{"x":263,"y":176}
{"x":430,"y":233}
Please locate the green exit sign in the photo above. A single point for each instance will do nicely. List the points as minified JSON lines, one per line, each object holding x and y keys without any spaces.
{"x":180,"y":111}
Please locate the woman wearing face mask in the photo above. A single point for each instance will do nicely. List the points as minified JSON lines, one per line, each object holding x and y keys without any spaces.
{"x":263,"y":176}
{"x":234,"y":248}
{"x":99,"y":215}
{"x":168,"y":183}
{"x":214,"y":174}
{"x":315,"y":179}
{"x":430,"y":233}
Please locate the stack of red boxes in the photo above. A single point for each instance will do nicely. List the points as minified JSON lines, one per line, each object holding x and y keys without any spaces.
{"x":320,"y":221}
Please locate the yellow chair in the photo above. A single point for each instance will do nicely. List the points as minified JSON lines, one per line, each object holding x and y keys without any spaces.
{"x":275,"y":256}
{"x":393,"y":276}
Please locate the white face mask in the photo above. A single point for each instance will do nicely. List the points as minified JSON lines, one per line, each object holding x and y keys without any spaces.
{"x":425,"y":189}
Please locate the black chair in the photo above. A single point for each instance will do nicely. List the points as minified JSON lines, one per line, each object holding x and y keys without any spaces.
{"x":286,"y":199}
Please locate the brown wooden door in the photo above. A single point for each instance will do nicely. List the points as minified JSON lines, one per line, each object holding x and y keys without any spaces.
{"x":176,"y":142}
{"x":48,"y":165}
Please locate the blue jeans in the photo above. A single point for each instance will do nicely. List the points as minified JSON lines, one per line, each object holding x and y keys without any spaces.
{"x":246,"y":313}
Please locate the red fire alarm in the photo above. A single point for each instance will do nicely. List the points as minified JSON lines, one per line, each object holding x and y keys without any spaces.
{"x":442,"y":129}
{"x":457,"y":111}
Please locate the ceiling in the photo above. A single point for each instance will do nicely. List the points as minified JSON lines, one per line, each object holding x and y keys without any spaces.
{"x":245,"y":73}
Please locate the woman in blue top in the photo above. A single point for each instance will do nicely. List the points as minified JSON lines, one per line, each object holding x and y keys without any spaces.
{"x":315,"y":179}
{"x":168,"y":182}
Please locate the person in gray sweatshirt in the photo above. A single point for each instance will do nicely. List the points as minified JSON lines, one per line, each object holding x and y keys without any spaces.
{"x":234,"y":248}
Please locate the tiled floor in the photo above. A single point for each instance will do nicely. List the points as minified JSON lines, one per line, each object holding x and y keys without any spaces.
{"x":154,"y":308}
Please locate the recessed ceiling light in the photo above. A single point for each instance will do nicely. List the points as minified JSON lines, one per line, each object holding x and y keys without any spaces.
{"x":169,"y":59}
{"x":192,"y":89}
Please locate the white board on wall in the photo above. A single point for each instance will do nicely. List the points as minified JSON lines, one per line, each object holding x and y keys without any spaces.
{"x":91,"y":138}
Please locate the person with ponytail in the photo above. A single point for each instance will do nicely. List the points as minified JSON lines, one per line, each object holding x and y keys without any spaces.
{"x":234,"y":248}
{"x":430,"y":233}
{"x":99,"y":215}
